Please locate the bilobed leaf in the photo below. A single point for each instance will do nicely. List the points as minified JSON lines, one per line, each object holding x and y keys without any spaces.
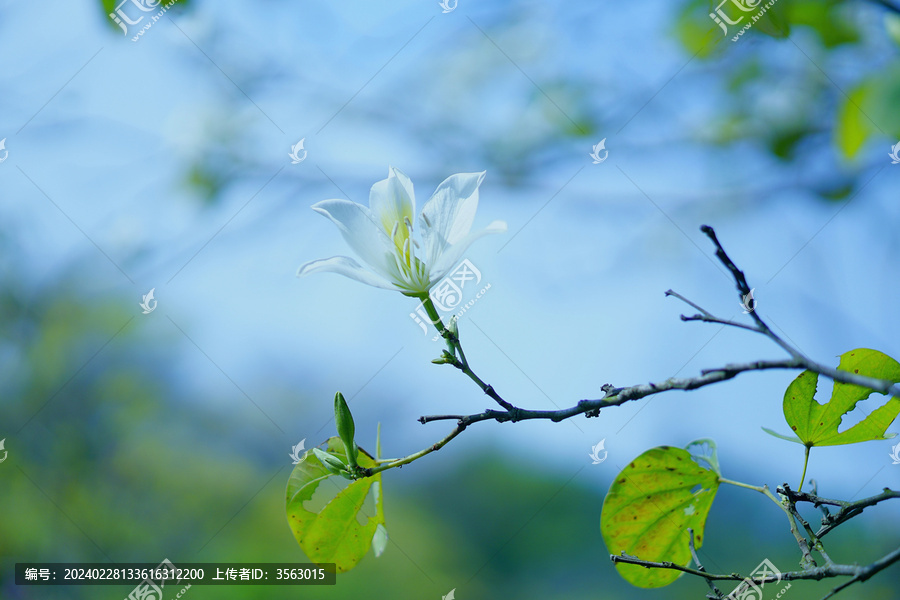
{"x":650,"y":506}
{"x":817,"y":424}
{"x":333,"y":535}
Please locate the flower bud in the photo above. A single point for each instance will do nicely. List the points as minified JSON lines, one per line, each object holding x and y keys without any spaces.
{"x":345,"y":427}
{"x":443,"y":359}
{"x":453,"y":328}
{"x":330,"y":462}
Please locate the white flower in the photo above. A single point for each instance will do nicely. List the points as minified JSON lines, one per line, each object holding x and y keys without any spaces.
{"x":382,"y":233}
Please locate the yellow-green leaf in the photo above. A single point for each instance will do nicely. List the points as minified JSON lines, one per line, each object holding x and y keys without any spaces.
{"x":817,"y":424}
{"x":334,"y":534}
{"x":650,"y":506}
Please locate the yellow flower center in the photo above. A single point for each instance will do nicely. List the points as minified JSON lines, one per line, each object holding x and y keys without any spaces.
{"x":410,"y":267}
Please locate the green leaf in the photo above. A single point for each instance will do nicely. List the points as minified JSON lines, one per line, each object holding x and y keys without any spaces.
{"x":853,"y":127}
{"x":650,"y":506}
{"x":817,"y":424}
{"x":334,"y":534}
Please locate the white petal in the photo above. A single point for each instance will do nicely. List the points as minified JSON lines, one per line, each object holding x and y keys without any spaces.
{"x":392,"y":200}
{"x":449,"y":258}
{"x":346,"y":266}
{"x":361,"y":230}
{"x":450,"y":212}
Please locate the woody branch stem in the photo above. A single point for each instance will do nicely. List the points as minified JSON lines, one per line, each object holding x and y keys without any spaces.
{"x":847,"y":511}
{"x":859,"y":573}
{"x":459,"y":359}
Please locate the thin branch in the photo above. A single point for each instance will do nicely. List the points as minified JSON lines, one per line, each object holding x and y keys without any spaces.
{"x":424,"y":420}
{"x":745,"y":290}
{"x":621,"y":395}
{"x":393,"y":464}
{"x":807,"y":560}
{"x":713,"y":319}
{"x":456,"y":356}
{"x":867,"y":571}
{"x":814,"y":540}
{"x":708,"y":317}
{"x":712,"y":586}
{"x":634,"y":560}
{"x":847,"y":511}
{"x":857,"y":572}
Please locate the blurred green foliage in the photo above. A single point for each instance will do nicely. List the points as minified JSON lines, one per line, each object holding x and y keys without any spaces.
{"x":855,"y":106}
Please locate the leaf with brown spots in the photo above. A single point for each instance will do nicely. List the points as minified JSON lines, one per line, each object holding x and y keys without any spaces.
{"x":651,"y":505}
{"x":817,"y":424}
